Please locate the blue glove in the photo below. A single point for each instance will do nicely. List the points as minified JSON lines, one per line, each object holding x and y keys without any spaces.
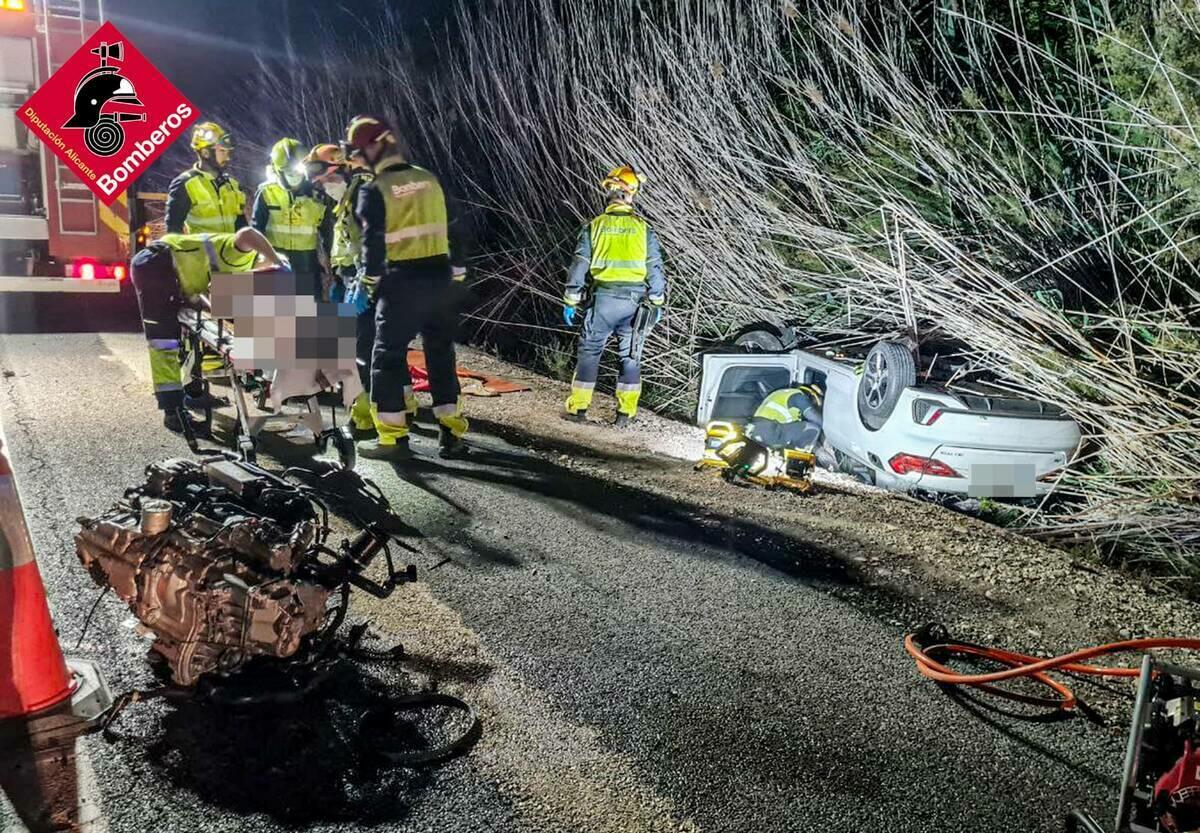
{"x":357,"y":298}
{"x":569,"y":315}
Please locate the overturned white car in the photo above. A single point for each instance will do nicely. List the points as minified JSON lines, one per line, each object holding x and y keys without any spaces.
{"x":883,"y":427}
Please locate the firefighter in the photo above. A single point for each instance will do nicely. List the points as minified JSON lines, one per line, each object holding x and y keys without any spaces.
{"x":205,"y":199}
{"x":408,"y":266}
{"x":787,"y":418}
{"x":173,"y":270}
{"x":293,"y":218}
{"x":340,"y":180}
{"x":621,"y":253}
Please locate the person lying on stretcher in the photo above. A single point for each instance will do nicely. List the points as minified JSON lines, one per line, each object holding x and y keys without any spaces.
{"x":176,"y":270}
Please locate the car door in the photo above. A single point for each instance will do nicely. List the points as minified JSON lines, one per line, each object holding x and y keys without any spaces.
{"x":732,"y":385}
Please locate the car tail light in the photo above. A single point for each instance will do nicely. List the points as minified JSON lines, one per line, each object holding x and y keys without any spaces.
{"x":87,"y":271}
{"x":912,"y":464}
{"x":118,"y":271}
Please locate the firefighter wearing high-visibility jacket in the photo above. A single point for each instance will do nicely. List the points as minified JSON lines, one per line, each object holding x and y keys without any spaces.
{"x":788,"y":418}
{"x":620,"y":251}
{"x":292,"y":217}
{"x":340,"y":179}
{"x":175,"y":269}
{"x":205,"y":199}
{"x":409,"y":265}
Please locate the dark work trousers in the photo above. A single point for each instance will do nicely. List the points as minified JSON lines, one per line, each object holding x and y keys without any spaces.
{"x":159,"y":299}
{"x":801,"y":434}
{"x":406,"y":305}
{"x":611,"y":312}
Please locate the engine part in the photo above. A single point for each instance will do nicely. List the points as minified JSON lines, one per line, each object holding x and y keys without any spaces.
{"x":223,"y":561}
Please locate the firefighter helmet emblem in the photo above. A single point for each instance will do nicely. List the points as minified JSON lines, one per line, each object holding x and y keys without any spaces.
{"x":104,"y":85}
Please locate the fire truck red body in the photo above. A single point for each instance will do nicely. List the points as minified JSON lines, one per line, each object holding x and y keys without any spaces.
{"x":55,"y":236}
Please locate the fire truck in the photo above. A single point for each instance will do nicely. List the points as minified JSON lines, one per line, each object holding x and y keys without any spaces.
{"x":55,"y":236}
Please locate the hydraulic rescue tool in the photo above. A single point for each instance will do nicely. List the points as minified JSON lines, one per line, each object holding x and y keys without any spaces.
{"x":741,"y":458}
{"x":1160,"y":785}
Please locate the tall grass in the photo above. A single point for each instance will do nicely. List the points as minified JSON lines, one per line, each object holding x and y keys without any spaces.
{"x":861,"y":169}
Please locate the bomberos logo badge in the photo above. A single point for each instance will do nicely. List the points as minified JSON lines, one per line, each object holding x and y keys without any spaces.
{"x":107,"y":113}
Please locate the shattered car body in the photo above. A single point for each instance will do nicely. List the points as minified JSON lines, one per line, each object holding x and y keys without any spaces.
{"x":889,"y":431}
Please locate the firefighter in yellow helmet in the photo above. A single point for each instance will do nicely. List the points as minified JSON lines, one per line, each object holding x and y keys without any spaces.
{"x":340,"y":179}
{"x":409,"y":263}
{"x":205,"y":199}
{"x":620,"y":251}
{"x":294,"y":218}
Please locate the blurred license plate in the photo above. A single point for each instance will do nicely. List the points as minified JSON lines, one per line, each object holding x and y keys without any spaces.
{"x":1001,"y":480}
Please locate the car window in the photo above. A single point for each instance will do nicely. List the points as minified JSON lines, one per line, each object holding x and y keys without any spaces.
{"x":743,"y":388}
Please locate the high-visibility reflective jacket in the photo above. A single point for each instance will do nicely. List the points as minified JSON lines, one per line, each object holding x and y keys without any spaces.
{"x":408,"y":225}
{"x":293,"y":221}
{"x":346,"y":249}
{"x":200,"y":202}
{"x":198,"y":256}
{"x":620,"y":250}
{"x":788,"y":405}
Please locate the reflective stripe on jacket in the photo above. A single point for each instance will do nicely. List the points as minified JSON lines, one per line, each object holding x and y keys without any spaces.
{"x":215,"y":209}
{"x":619,"y":246}
{"x":416,"y":225}
{"x":616,"y":248}
{"x":197,"y":256}
{"x":788,"y":405}
{"x":293,"y":222}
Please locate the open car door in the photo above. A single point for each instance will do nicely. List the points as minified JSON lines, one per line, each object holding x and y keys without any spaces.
{"x":733,"y":385}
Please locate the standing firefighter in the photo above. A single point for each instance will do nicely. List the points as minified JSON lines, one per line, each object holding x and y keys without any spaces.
{"x":408,"y":266}
{"x":205,"y":199}
{"x":291,"y":217}
{"x":621,"y":252}
{"x":340,"y":180}
{"x":174,"y":270}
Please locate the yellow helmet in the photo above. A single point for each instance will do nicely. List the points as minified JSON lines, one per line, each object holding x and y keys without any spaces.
{"x":209,"y":134}
{"x":623,"y":179}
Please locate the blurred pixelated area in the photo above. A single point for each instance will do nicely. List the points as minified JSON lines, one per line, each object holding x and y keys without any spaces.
{"x":278,"y":324}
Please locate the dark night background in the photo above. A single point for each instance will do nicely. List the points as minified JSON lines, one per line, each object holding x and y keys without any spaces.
{"x":213,"y":49}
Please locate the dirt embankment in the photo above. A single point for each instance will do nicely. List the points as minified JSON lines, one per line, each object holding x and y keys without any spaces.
{"x":985,"y":583}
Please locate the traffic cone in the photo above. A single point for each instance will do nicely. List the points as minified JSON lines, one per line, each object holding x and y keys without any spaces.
{"x":33,"y":673}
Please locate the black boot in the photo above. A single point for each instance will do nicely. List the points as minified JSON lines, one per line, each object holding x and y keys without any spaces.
{"x":622,"y":420}
{"x":451,"y":447}
{"x":173,"y":422}
{"x":578,"y":416}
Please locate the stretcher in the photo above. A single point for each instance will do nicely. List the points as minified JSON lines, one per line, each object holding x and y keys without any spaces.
{"x":204,"y":335}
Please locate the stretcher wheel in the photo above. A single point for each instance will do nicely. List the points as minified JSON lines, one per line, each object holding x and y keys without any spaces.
{"x":343,"y":442}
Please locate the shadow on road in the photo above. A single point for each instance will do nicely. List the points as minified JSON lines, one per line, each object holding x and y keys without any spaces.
{"x":299,"y":763}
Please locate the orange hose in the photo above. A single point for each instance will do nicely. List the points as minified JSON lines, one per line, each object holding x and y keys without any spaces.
{"x":1021,"y":665}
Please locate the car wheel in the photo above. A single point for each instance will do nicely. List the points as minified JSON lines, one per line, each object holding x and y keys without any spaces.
{"x":889,"y":370}
{"x":760,"y":338}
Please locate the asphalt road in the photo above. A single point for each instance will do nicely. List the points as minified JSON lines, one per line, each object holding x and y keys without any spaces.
{"x":638,"y":667}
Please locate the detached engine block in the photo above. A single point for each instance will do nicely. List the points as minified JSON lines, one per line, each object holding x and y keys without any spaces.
{"x":222,"y":561}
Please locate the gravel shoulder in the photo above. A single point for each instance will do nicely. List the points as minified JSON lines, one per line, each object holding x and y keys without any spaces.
{"x":983,"y":582}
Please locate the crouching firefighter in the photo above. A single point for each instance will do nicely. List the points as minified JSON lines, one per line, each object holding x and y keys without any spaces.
{"x":408,"y":270}
{"x":788,"y":420}
{"x":173,"y":271}
{"x":621,"y":253}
